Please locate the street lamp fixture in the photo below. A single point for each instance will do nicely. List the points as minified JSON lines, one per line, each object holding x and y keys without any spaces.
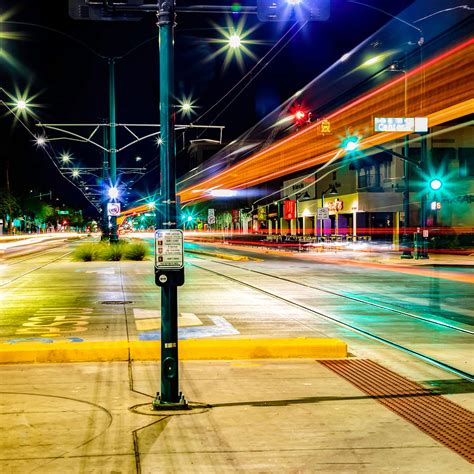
{"x":65,"y":158}
{"x":113,"y":192}
{"x":235,"y":41}
{"x":21,"y":104}
{"x":186,"y":106}
{"x":76,"y":173}
{"x":40,"y":141}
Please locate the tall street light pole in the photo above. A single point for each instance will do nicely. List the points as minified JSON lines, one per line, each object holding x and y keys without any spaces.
{"x":170,"y":395}
{"x":112,"y":143}
{"x":105,"y":180}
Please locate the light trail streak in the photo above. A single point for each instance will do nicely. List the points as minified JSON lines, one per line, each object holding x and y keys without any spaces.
{"x":448,"y":95}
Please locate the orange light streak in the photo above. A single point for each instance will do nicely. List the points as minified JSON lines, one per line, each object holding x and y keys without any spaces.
{"x":442,"y":84}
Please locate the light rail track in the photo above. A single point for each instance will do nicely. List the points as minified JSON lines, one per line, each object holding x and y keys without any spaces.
{"x":39,"y":267}
{"x":33,"y":254}
{"x":428,"y":359}
{"x":351,"y":298}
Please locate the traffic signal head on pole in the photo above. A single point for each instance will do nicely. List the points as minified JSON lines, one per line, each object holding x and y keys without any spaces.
{"x":300,"y":115}
{"x":350,"y":144}
{"x":436,"y":184}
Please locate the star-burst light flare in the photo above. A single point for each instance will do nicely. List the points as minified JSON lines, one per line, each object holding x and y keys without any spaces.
{"x":235,"y":41}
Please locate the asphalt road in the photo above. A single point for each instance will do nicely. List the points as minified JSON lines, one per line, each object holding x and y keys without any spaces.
{"x":47,"y":297}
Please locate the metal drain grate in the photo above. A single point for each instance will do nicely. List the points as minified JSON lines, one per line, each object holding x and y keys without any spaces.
{"x":115,"y":302}
{"x":440,"y":418}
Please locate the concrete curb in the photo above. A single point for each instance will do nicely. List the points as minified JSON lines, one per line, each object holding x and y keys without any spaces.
{"x":190,"y":349}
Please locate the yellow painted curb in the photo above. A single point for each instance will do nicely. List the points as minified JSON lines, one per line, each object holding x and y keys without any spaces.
{"x":190,"y":349}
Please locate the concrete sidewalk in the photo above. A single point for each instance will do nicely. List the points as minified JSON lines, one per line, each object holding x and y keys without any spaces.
{"x":248,"y":416}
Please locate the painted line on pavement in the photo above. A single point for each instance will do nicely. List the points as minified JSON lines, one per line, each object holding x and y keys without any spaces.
{"x":191,"y":349}
{"x":221,"y":327}
{"x":225,"y":256}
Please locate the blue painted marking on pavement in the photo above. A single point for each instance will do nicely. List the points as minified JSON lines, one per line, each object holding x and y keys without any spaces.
{"x":221,"y":327}
{"x":41,"y":339}
{"x":30,"y":339}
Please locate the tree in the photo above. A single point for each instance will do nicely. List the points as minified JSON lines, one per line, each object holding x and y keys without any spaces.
{"x":9,"y":208}
{"x":38,"y":211}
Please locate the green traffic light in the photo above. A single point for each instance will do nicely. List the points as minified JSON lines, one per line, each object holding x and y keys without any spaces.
{"x":436,"y":184}
{"x":350,"y":144}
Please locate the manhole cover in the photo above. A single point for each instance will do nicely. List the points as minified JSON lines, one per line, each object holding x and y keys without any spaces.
{"x":115,"y":302}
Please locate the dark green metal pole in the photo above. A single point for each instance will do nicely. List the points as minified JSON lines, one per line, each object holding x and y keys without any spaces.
{"x":105,"y":182}
{"x":170,"y":394}
{"x":406,"y":242}
{"x":423,"y":210}
{"x":112,"y":143}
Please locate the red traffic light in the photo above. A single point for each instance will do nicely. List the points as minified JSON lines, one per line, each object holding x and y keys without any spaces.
{"x":300,"y":115}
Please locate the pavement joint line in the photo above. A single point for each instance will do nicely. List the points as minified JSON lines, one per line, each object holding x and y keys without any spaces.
{"x":225,"y":256}
{"x":189,"y":349}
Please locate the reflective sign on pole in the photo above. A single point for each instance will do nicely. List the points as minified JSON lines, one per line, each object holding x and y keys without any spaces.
{"x":211,"y":216}
{"x":322,"y":213}
{"x":113,"y":209}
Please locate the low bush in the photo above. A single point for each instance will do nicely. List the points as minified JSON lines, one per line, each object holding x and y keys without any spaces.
{"x":112,"y":252}
{"x":93,"y":251}
{"x":135,"y":251}
{"x":86,"y":252}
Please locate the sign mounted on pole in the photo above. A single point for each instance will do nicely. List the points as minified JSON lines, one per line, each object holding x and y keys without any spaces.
{"x":211,"y":216}
{"x":169,"y":249}
{"x":113,"y":209}
{"x":289,"y":209}
{"x":322,"y":213}
{"x":401,"y":124}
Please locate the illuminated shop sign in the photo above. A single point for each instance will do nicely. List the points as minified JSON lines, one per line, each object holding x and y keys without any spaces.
{"x":335,"y":206}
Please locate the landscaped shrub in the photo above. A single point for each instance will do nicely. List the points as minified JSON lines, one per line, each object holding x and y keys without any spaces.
{"x":93,"y":251}
{"x":135,"y":251}
{"x":113,"y":252}
{"x":86,"y":252}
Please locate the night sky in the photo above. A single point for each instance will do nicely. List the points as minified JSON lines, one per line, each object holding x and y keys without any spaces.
{"x":71,"y":81}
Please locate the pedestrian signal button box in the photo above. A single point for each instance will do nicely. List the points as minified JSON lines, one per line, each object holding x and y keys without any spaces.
{"x":169,"y":249}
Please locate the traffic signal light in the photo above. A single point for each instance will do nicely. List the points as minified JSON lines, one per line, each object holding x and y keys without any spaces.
{"x":436,"y":184}
{"x":301,"y":116}
{"x":350,"y":144}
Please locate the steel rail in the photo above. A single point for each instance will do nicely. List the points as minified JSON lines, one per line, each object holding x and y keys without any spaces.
{"x":430,"y":360}
{"x":353,"y":298}
{"x":18,"y":277}
{"x":33,"y":254}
